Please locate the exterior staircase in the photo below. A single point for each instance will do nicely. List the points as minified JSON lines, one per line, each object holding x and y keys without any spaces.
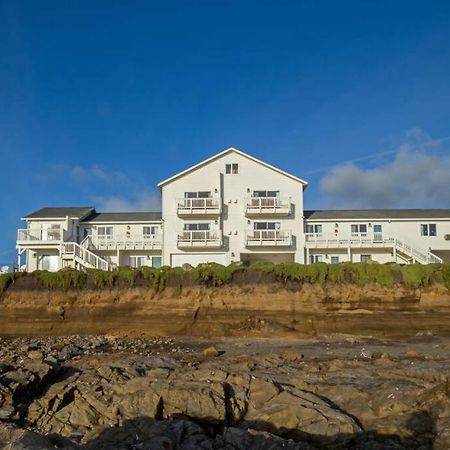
{"x":411,"y":254}
{"x":80,"y":257}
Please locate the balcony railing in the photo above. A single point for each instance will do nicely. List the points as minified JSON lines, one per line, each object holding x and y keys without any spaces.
{"x":192,"y":206}
{"x":354,"y":240}
{"x":269,"y":238}
{"x":39,"y":235}
{"x":268,"y":205}
{"x":126,"y":242}
{"x":201,"y":238}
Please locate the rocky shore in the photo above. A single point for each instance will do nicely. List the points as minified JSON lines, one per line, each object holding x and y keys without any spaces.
{"x":109,"y":392}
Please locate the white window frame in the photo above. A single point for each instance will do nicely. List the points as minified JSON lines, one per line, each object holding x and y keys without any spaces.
{"x":428,"y":229}
{"x":134,"y":261}
{"x":150,"y":231}
{"x":102,"y":232}
{"x":266,"y":194}
{"x":197,"y":226}
{"x":314,"y":259}
{"x":357,"y":229}
{"x":367,"y":258}
{"x":313,"y":228}
{"x":266,"y":225}
{"x":232,"y":168}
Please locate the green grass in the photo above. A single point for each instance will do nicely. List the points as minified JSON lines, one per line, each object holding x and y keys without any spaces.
{"x":216,"y":275}
{"x":64,"y":279}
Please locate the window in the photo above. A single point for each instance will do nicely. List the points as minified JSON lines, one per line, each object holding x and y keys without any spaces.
{"x":366,"y":258}
{"x":428,"y":229}
{"x":199,"y":194}
{"x":313,"y":228}
{"x":150,"y":230}
{"x":335,"y":260}
{"x":137,"y":261}
{"x":313,"y":259}
{"x":105,"y":232}
{"x":157,"y":261}
{"x":196,"y":226}
{"x":266,"y":193}
{"x":232,"y":168}
{"x":266,"y":225}
{"x":359,"y":228}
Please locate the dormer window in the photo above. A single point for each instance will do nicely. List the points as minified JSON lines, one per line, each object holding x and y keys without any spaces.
{"x":232,"y":168}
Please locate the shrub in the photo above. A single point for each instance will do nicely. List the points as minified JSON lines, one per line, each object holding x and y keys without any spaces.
{"x":213,"y":274}
{"x":101,"y":278}
{"x":5,"y":280}
{"x":64,"y":279}
{"x":417,"y":275}
{"x":126,"y":276}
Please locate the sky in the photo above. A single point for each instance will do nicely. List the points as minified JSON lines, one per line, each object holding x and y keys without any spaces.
{"x":100,"y":100}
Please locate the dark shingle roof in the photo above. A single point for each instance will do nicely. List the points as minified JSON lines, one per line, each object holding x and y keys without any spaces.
{"x":125,"y":217}
{"x":377,"y":214}
{"x":61,"y":213}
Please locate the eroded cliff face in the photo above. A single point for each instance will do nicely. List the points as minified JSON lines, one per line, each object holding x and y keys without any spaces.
{"x":250,"y":309}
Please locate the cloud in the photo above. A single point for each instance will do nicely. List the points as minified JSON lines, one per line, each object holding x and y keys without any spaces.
{"x":82,"y":174}
{"x":145,"y":201}
{"x":417,"y":176}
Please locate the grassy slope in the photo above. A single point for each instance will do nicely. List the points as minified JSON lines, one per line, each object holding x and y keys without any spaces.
{"x":413,"y":276}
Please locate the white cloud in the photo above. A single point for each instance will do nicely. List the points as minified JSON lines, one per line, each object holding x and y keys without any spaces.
{"x":418,"y":176}
{"x":145,"y":201}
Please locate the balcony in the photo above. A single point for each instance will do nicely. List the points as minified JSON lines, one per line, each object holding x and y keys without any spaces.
{"x":125,"y":242}
{"x":39,"y":236}
{"x":199,"y":239}
{"x":268,"y":238}
{"x":268,"y":206}
{"x":319,"y":240}
{"x":199,"y":206}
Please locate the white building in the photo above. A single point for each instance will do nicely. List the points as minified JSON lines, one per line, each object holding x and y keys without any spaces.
{"x":229,"y":208}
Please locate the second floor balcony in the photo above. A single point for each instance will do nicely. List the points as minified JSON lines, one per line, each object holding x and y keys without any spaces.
{"x":199,"y":206}
{"x":269,"y":238}
{"x":199,"y":239}
{"x":52,"y":235}
{"x":124,"y":242}
{"x":268,"y":206}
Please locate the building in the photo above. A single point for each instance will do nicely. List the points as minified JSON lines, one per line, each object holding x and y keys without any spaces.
{"x":229,"y":208}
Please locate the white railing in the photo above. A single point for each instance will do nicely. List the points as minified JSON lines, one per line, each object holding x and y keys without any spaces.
{"x":269,"y":237}
{"x":50,"y":234}
{"x":268,"y":205}
{"x":199,"y":205}
{"x":200,"y":238}
{"x":419,"y":255}
{"x":364,"y":240}
{"x":126,"y":241}
{"x":84,"y":256}
{"x":356,"y":240}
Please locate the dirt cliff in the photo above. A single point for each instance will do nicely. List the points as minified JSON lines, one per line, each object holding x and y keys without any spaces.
{"x":248,"y":309}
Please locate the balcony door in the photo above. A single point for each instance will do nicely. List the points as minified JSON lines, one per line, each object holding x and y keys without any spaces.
{"x":378,"y":233}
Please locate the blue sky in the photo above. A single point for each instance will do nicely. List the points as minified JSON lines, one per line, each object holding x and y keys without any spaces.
{"x":100,"y":100}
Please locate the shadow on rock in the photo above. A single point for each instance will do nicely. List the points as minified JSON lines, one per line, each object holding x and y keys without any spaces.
{"x":186,"y":434}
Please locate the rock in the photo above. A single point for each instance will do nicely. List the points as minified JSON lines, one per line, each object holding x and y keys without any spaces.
{"x":34,"y":354}
{"x":210,"y":352}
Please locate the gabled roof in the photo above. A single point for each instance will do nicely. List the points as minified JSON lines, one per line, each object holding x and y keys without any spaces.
{"x":219,"y":155}
{"x":373,"y":214}
{"x":154,"y":216}
{"x":61,"y":212}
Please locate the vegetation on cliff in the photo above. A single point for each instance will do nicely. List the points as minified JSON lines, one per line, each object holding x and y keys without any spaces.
{"x":413,"y":276}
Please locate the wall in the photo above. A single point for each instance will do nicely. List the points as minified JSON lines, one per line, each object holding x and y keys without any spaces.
{"x":407,"y":229}
{"x":233,"y":189}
